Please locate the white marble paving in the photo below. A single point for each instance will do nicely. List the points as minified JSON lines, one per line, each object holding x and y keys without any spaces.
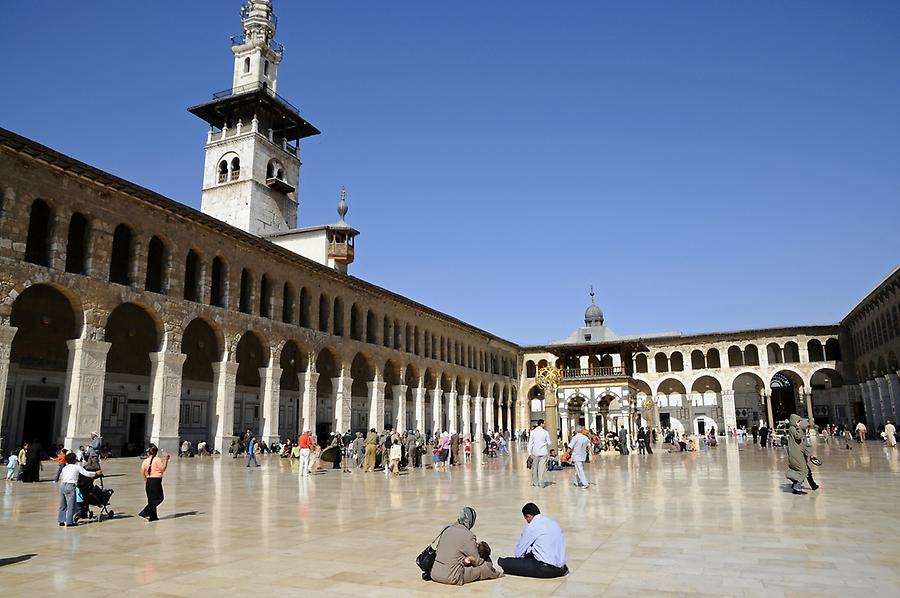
{"x":714,"y":522}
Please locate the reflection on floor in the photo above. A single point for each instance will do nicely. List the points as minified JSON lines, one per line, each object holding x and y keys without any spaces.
{"x":715,"y":522}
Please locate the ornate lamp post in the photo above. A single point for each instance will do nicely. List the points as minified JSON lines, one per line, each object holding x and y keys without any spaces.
{"x":548,"y":379}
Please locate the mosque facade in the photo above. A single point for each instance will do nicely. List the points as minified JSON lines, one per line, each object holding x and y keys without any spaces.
{"x":129,"y":314}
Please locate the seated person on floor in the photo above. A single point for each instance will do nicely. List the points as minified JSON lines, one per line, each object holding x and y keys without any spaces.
{"x":553,"y":462}
{"x":541,"y":551}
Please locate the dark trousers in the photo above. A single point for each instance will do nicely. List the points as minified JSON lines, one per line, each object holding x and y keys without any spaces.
{"x":154,"y":498}
{"x":528,"y":566}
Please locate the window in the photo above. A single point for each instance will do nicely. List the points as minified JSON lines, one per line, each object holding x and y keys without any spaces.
{"x":120,"y":263}
{"x":235,"y":169}
{"x":217,"y":283}
{"x":155,"y":281}
{"x":338,"y":317}
{"x":247,"y":65}
{"x":287,"y":304}
{"x":223,"y":171}
{"x":37,"y":245}
{"x":323,"y":312}
{"x":265,"y":297}
{"x":77,"y":244}
{"x":191,"y":276}
{"x":305,"y":308}
{"x":246,"y":284}
{"x":266,"y":69}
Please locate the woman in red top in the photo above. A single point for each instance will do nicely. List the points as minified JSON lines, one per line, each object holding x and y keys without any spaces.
{"x":152,"y":469}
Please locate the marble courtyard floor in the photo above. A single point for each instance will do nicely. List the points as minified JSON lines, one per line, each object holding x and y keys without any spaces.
{"x":717,"y":522}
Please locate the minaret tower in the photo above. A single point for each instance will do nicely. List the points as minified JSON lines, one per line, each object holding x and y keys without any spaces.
{"x":252,"y":168}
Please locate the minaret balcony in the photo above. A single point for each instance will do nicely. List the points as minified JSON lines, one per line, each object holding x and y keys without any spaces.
{"x":280,"y":185}
{"x":342,"y":252}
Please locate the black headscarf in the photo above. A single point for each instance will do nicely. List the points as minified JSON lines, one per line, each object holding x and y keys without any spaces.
{"x":467,"y":517}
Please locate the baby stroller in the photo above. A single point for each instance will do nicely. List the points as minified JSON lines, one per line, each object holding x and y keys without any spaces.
{"x":492,"y":449}
{"x":88,"y":495}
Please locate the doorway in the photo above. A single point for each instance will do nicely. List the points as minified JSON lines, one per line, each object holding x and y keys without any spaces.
{"x":38,"y":423}
{"x":665,"y":420}
{"x":701,"y":427}
{"x":137,"y":424}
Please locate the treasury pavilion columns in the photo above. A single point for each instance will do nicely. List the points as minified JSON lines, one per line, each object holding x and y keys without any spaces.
{"x":85,"y":376}
{"x":310,"y":400}
{"x":376,"y":403}
{"x":479,"y":417}
{"x":165,"y":396}
{"x":6,"y":337}
{"x":224,"y":384}
{"x":400,"y":406}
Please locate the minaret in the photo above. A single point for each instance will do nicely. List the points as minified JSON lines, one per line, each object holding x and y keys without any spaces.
{"x":252,"y":168}
{"x":341,"y":239}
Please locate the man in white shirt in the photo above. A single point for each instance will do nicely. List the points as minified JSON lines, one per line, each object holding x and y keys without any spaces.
{"x":860,"y":432}
{"x":579,"y":447}
{"x":68,"y":479}
{"x":541,"y":551}
{"x":538,"y":448}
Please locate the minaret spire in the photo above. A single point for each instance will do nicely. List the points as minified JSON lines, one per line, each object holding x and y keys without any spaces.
{"x":342,"y":205}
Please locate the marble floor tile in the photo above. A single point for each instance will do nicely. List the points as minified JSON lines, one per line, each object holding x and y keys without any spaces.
{"x":715,"y":522}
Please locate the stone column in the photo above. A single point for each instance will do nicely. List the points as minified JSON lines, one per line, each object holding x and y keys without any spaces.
{"x":466,"y":415}
{"x":867,"y":405}
{"x":875,"y":399}
{"x":342,"y":401}
{"x":884,"y":397}
{"x":376,"y":403}
{"x":224,"y":376}
{"x":309,"y":408}
{"x":809,"y":405}
{"x":400,"y":405}
{"x":451,"y":411}
{"x":770,"y":421}
{"x":479,"y":418}
{"x":420,"y":408}
{"x":270,"y":394}
{"x":436,"y":412}
{"x":6,"y":337}
{"x":893,"y":385}
{"x":165,"y":399}
{"x":509,"y":414}
{"x":564,"y":427}
{"x":84,"y":390}
{"x":489,"y":414}
{"x":729,"y":415}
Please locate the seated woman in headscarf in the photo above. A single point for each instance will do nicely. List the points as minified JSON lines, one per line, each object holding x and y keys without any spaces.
{"x":458,"y":560}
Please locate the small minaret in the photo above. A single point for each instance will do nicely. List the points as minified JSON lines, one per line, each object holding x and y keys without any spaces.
{"x":252,"y":168}
{"x":341,"y":239}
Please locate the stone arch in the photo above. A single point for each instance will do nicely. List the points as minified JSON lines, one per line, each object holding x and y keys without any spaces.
{"x":337,"y":317}
{"x":218,"y":282}
{"x":735,"y":357}
{"x":158,"y":255}
{"x":815,"y":350}
{"x":356,"y":324}
{"x":833,"y":349}
{"x":203,"y":344}
{"x":713,"y":359}
{"x":120,"y":262}
{"x":251,"y":354}
{"x":640,"y":363}
{"x":676,"y":361}
{"x":774,"y":353}
{"x":39,"y":237}
{"x":671,"y":385}
{"x":751,"y":355}
{"x":78,"y":244}
{"x":46,"y":320}
{"x":698,"y":360}
{"x":134,"y":331}
{"x":662,"y":362}
{"x":791,"y":352}
{"x":371,"y":327}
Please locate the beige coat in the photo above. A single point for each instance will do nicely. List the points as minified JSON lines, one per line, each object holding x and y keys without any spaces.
{"x":456,"y":544}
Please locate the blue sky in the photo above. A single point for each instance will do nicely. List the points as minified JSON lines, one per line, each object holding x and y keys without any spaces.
{"x":706,"y":165}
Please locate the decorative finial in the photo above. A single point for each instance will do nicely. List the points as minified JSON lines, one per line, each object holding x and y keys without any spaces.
{"x":342,"y":206}
{"x":592,"y":294}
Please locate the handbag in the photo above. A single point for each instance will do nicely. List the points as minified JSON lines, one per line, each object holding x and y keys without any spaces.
{"x":529,"y":462}
{"x":426,"y":558}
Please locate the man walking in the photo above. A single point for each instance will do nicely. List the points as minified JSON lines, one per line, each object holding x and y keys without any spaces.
{"x":251,"y":451}
{"x":305,"y":444}
{"x":623,"y":440}
{"x":764,"y":436}
{"x":890,"y":434}
{"x":860,"y":432}
{"x":539,"y":449}
{"x":579,"y":448}
{"x":371,"y":447}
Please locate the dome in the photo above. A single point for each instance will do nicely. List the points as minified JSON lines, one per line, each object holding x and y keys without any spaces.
{"x":593,"y":315}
